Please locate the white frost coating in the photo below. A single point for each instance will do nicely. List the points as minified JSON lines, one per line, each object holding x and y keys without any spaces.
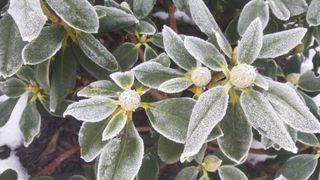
{"x":206,"y":114}
{"x":296,"y":7}
{"x":28,"y":16}
{"x":313,"y":15}
{"x":223,"y":44}
{"x":242,"y":75}
{"x":251,"y":43}
{"x":115,"y":125}
{"x":264,"y":118}
{"x":280,"y":43}
{"x":201,"y":76}
{"x":230,"y":172}
{"x":13,"y":163}
{"x":279,"y":9}
{"x":124,"y":80}
{"x":129,"y":100}
{"x":91,"y":110}
{"x":291,"y":109}
{"x":261,"y":81}
{"x":252,"y":10}
{"x":205,"y":52}
{"x":175,"y":85}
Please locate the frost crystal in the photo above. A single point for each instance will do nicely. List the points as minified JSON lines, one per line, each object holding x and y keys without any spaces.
{"x":129,"y":100}
{"x":201,"y":76}
{"x":242,"y":75}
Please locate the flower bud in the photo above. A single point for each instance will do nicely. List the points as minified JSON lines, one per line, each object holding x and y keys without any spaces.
{"x":129,"y":100}
{"x":293,"y":78}
{"x":201,"y":76}
{"x":242,"y":75}
{"x":211,"y":163}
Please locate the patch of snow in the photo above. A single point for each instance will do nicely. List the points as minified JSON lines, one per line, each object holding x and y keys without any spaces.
{"x":180,"y":16}
{"x":256,"y":158}
{"x":13,"y":163}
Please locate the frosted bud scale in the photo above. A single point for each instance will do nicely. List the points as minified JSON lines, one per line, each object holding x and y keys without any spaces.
{"x":242,"y":75}
{"x":129,"y":100}
{"x":211,"y":163}
{"x":201,"y":76}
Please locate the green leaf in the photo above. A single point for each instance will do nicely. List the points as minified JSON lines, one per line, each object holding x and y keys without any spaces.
{"x":63,"y":77}
{"x":298,"y":167}
{"x":175,"y":85}
{"x":30,"y":123}
{"x":97,"y":52}
{"x":162,"y":59}
{"x":28,"y":16}
{"x":122,"y":157}
{"x":102,"y":88}
{"x":169,"y":121}
{"x":169,"y":151}
{"x":13,"y":87}
{"x":115,"y":125}
{"x":149,"y":169}
{"x":10,"y":48}
{"x":262,"y":116}
{"x":45,"y":46}
{"x":42,"y":75}
{"x":309,"y":82}
{"x":251,"y":43}
{"x":236,"y":141}
{"x":115,"y":19}
{"x":158,"y":40}
{"x":142,"y":8}
{"x":313,"y":16}
{"x":26,"y":73}
{"x":205,"y":52}
{"x":230,"y":172}
{"x":307,"y":138}
{"x":261,"y":81}
{"x":77,"y":177}
{"x":280,"y":43}
{"x":143,"y":27}
{"x":182,"y":5}
{"x":90,"y":139}
{"x":126,"y":55}
{"x":124,"y":80}
{"x":79,"y":14}
{"x":279,"y":9}
{"x":188,"y":173}
{"x":149,"y":53}
{"x":9,"y":174}
{"x":173,"y":45}
{"x":252,"y":10}
{"x":6,"y":108}
{"x":206,"y":114}
{"x":291,"y":109}
{"x":92,"y":110}
{"x":296,"y":7}
{"x":153,"y":74}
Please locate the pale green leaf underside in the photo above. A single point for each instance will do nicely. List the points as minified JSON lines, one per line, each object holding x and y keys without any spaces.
{"x":261,"y":81}
{"x":115,"y":125}
{"x":79,"y":14}
{"x":124,"y":80}
{"x":122,"y":157}
{"x":91,"y":110}
{"x":206,"y":114}
{"x":102,"y":88}
{"x":188,"y":173}
{"x":231,"y":173}
{"x":175,"y":85}
{"x":307,"y":138}
{"x":313,"y":15}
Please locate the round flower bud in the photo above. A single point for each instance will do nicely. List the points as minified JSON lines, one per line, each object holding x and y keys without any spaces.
{"x":242,"y":75}
{"x":129,"y":100}
{"x":293,"y":78}
{"x":211,"y":163}
{"x":201,"y":76}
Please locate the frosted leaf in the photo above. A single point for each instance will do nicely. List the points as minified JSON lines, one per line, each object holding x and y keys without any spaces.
{"x":122,"y":157}
{"x":45,"y":46}
{"x":252,"y":10}
{"x":30,"y":123}
{"x":281,"y":177}
{"x":201,"y":76}
{"x":189,"y":173}
{"x":143,"y":27}
{"x":206,"y":114}
{"x":169,"y":151}
{"x":129,"y":100}
{"x":223,"y":44}
{"x":175,"y":85}
{"x":97,"y":52}
{"x":242,"y":75}
{"x":11,"y":43}
{"x":91,"y":110}
{"x":182,"y":5}
{"x":261,"y":81}
{"x":28,"y":16}
{"x":115,"y":125}
{"x":263,"y":117}
{"x":170,"y":121}
{"x":162,"y":59}
{"x":173,"y":45}
{"x":251,"y":43}
{"x":90,"y":139}
{"x":309,"y":82}
{"x":102,"y":88}
{"x":308,"y":139}
{"x":230,"y":172}
{"x":280,"y":43}
{"x":237,"y":138}
{"x":142,"y":8}
{"x":6,"y":109}
{"x":205,"y":52}
{"x":291,"y":109}
{"x":313,"y":15}
{"x":296,"y":7}
{"x":79,"y":14}
{"x":279,"y":9}
{"x":124,"y":80}
{"x":152,"y":74}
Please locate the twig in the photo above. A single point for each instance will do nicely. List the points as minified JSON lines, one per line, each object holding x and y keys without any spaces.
{"x":172,"y":18}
